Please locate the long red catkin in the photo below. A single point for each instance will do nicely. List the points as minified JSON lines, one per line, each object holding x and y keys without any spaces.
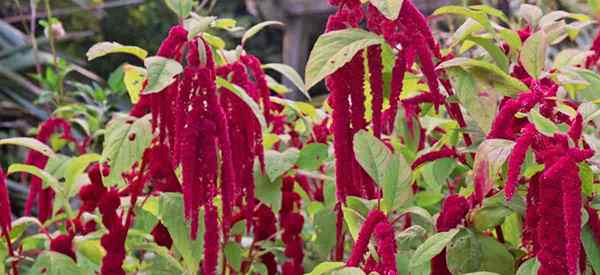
{"x":386,"y":247}
{"x":576,"y":128}
{"x":593,"y":59}
{"x":376,"y":80}
{"x":454,"y":210}
{"x":366,"y":230}
{"x":428,"y":69}
{"x":411,"y":17}
{"x":516,"y":159}
{"x":261,"y":82}
{"x":445,"y":152}
{"x":211,"y":240}
{"x":571,"y":187}
{"x":5,"y":209}
{"x":529,"y":238}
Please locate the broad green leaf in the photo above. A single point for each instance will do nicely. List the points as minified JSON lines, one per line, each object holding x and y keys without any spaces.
{"x":324,"y":223}
{"x":290,"y":74}
{"x":591,"y":247}
{"x":196,"y":24}
{"x":542,"y":124}
{"x":161,"y":73}
{"x":511,"y":38}
{"x":133,"y":78}
{"x":326,"y":268}
{"x":491,"y":74}
{"x":411,"y":238}
{"x":396,"y":183}
{"x":469,"y":27}
{"x":389,"y":8}
{"x":372,"y":155}
{"x":312,"y":156}
{"x":30,"y":143}
{"x":180,"y":7}
{"x":333,"y":50}
{"x":533,"y":53}
{"x":257,"y":28}
{"x":239,"y":91}
{"x":278,"y":163}
{"x":489,"y":217}
{"x":495,"y":52}
{"x":348,"y":271}
{"x":431,"y":247}
{"x":463,"y":253}
{"x":587,"y":179}
{"x":91,"y":249}
{"x":529,"y":267}
{"x":495,"y":256}
{"x":489,"y":10}
{"x":46,"y":178}
{"x":354,"y":220}
{"x":54,"y":263}
{"x":171,"y":215}
{"x":225,"y":23}
{"x":214,"y":40}
{"x":590,"y":93}
{"x":233,"y":254}
{"x":56,"y":166}
{"x":480,"y":104}
{"x":532,"y":14}
{"x":266,"y":191}
{"x":570,"y":57}
{"x":104,"y":48}
{"x":75,"y":168}
{"x":125,"y":140}
{"x":478,"y":16}
{"x":491,"y":155}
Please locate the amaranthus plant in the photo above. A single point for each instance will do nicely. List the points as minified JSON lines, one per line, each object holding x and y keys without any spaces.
{"x":470,"y":152}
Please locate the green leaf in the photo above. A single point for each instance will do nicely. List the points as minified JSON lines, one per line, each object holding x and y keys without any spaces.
{"x":257,"y":28}
{"x":125,"y":140}
{"x":542,"y":124}
{"x":389,"y":8}
{"x":489,"y":217}
{"x":491,"y":155}
{"x":354,"y":220}
{"x":266,"y":191}
{"x":591,"y":247}
{"x":233,"y":254}
{"x":171,"y":214}
{"x":239,"y":91}
{"x":180,"y":7}
{"x":104,"y":48}
{"x":214,"y":40}
{"x":469,"y":27}
{"x":481,"y":106}
{"x":312,"y":156}
{"x":46,"y":178}
{"x":133,"y":78}
{"x":463,"y":254}
{"x":396,"y":183}
{"x":333,"y":50}
{"x":291,"y":74}
{"x":495,"y":257}
{"x":324,"y":223}
{"x":587,"y":179}
{"x":529,"y":267}
{"x":511,"y":38}
{"x":277,"y":164}
{"x":478,"y":16}
{"x":532,"y":14}
{"x":30,"y":143}
{"x":491,"y":74}
{"x":161,"y":73}
{"x":348,"y":271}
{"x":197,"y":24}
{"x":326,"y":268}
{"x":495,"y":52}
{"x":372,"y":155}
{"x":570,"y":57}
{"x":533,"y":54}
{"x":54,"y":263}
{"x":431,"y":247}
{"x":75,"y":168}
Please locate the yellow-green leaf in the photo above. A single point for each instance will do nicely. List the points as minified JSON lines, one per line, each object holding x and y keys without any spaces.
{"x":30,"y":143}
{"x":104,"y":48}
{"x":161,"y":73}
{"x":133,"y":78}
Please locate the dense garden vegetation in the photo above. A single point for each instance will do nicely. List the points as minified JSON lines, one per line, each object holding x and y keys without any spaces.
{"x":466,"y":152}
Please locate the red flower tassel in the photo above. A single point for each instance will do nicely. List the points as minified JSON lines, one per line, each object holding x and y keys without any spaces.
{"x":366,"y":230}
{"x":516,"y":159}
